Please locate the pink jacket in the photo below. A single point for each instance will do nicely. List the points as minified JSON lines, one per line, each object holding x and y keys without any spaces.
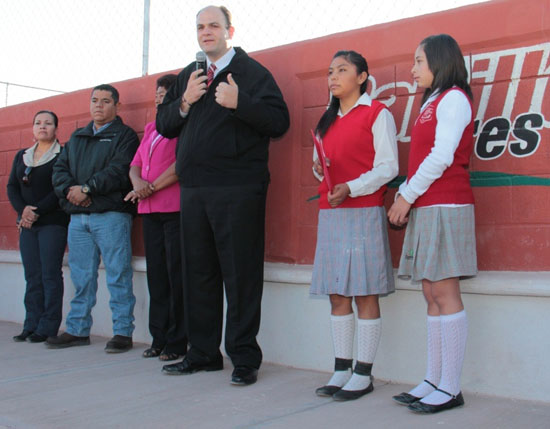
{"x":153,"y":162}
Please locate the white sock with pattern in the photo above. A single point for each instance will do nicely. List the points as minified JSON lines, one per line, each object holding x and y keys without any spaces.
{"x":433,"y":369}
{"x":368,"y":337}
{"x":343,"y":330}
{"x":454,"y":330}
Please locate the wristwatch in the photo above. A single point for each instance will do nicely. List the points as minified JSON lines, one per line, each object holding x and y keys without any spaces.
{"x":85,"y":189}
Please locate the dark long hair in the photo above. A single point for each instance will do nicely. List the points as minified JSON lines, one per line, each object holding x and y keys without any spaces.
{"x":446,"y":63}
{"x":331,"y":113}
{"x":49,"y":112}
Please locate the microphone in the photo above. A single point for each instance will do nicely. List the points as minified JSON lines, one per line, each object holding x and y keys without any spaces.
{"x":201,"y":62}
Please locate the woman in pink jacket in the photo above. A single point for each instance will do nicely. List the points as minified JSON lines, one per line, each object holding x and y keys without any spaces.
{"x":156,"y":190}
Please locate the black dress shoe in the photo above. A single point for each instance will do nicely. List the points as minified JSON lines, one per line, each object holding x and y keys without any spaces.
{"x":349,"y":395}
{"x":36,"y":338}
{"x":185,"y":367}
{"x":405,"y":398}
{"x":327,"y":391}
{"x":244,"y":376}
{"x":422,"y":408}
{"x":22,"y":336}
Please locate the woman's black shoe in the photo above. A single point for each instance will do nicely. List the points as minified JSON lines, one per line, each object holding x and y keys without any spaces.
{"x":22,"y":336}
{"x":422,"y":408}
{"x":36,"y":338}
{"x":405,"y":398}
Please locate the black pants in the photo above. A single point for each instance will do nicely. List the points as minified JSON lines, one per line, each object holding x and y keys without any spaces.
{"x":223,"y":243}
{"x":42,"y":250}
{"x":161,"y":233}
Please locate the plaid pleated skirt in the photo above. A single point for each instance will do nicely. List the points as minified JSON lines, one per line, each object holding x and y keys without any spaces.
{"x":439,"y":243}
{"x":352,"y":257}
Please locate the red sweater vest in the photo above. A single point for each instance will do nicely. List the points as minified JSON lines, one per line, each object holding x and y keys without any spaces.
{"x":348,"y":144}
{"x":453,"y":187}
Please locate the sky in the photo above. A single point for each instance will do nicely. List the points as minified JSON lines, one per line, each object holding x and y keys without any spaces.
{"x":65,"y":45}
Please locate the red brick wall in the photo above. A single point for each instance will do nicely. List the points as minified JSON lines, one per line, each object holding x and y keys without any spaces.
{"x":508,"y":53}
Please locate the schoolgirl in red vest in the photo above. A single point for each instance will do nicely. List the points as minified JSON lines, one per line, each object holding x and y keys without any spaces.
{"x":437,"y":202}
{"x":352,"y":258}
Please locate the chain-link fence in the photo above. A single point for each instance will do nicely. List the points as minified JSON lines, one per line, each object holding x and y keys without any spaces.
{"x":64,"y":45}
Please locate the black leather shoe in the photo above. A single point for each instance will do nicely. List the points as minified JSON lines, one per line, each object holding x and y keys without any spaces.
{"x":66,"y":340}
{"x":185,"y":367}
{"x":119,"y":344}
{"x":405,"y":398}
{"x":422,"y":408}
{"x":36,"y":338}
{"x":244,"y":376}
{"x":327,"y":391}
{"x":22,"y":336}
{"x":349,"y":395}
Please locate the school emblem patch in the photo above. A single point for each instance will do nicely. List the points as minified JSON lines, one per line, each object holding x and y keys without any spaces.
{"x":427,"y":114}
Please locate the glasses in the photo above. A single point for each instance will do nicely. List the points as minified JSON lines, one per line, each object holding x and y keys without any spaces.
{"x":26,"y":179}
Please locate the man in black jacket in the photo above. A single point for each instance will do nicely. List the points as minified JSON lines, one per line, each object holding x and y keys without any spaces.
{"x":224,"y":119}
{"x":91,"y":180}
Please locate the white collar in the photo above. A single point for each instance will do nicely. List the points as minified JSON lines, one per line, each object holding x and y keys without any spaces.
{"x":223,"y":62}
{"x":364,"y":100}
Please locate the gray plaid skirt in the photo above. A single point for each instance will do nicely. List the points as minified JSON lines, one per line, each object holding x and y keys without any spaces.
{"x":439,"y":243}
{"x":352,"y":257}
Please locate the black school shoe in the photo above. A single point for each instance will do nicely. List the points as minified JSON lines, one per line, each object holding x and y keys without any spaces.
{"x":422,"y":408}
{"x":407,"y":399}
{"x":119,"y":344}
{"x":22,"y":336}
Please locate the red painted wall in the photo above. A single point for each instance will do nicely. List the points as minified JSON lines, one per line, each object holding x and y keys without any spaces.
{"x":507,"y":49}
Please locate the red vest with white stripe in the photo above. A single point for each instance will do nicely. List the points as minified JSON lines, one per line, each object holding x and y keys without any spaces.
{"x":348,"y":144}
{"x":453,"y":187}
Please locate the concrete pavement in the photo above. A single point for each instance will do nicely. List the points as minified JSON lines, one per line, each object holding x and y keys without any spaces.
{"x":83,"y":387}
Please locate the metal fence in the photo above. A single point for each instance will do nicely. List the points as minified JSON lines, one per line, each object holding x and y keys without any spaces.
{"x":64,"y":45}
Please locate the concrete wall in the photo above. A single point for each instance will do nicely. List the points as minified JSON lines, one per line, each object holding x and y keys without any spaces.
{"x":508,"y":54}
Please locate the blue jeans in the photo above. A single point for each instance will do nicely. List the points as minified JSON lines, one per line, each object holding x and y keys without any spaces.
{"x":91,"y":235}
{"x":42,"y":249}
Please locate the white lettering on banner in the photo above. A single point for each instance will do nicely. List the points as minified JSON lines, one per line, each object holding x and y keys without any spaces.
{"x":519,"y":136}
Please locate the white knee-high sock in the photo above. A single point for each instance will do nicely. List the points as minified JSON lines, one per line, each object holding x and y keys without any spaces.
{"x":454,"y":330}
{"x":343,"y":330}
{"x":433,"y":369}
{"x":368,"y":337}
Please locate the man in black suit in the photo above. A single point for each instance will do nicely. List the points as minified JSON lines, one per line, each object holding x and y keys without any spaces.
{"x":224,"y":119}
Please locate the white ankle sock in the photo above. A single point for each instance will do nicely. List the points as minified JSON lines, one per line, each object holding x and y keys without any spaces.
{"x":368,"y":337}
{"x":433,"y":369}
{"x":454,"y":330}
{"x":343,"y":330}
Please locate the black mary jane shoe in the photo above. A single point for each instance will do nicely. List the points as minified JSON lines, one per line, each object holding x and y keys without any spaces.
{"x":350,"y":395}
{"x":327,"y":391}
{"x":408,"y":399}
{"x":22,"y":336}
{"x":36,"y":338}
{"x":422,"y":408}
{"x":244,"y":376}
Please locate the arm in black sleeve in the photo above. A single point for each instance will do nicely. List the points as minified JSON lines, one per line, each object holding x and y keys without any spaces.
{"x":263,"y":107}
{"x":14,"y":188}
{"x":169,"y":122}
{"x":62,"y":178}
{"x":114,"y":177}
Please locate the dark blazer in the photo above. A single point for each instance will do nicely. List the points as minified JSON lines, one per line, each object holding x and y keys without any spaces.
{"x":219,"y":146}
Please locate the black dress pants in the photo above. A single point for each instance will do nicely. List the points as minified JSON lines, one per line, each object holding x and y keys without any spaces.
{"x":161,"y":234}
{"x":223,"y":244}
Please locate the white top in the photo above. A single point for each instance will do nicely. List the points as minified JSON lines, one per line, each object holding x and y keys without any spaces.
{"x":453,"y":115}
{"x":385,"y":166}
